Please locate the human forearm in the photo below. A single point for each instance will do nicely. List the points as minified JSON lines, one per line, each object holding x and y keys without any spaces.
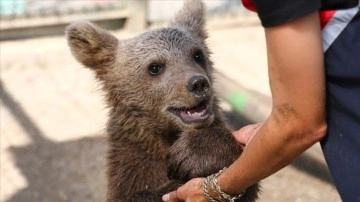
{"x":265,"y":155}
{"x":298,"y":116}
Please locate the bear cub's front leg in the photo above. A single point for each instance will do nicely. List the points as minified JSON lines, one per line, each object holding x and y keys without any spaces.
{"x":202,"y":152}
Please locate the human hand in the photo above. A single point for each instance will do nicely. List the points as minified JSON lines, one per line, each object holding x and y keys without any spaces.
{"x":246,"y":133}
{"x":189,"y":192}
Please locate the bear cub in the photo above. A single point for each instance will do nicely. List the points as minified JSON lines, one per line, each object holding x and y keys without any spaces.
{"x":165,"y":125}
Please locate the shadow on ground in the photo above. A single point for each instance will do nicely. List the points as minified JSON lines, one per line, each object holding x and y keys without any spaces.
{"x":65,"y":171}
{"x":69,"y":171}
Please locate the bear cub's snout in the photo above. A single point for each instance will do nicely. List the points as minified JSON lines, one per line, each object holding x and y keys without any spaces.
{"x":198,"y":86}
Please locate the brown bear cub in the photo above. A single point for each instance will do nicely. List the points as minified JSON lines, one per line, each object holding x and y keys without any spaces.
{"x":165,"y":126}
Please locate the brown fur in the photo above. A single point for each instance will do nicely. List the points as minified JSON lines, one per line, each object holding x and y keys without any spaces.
{"x":147,"y":141}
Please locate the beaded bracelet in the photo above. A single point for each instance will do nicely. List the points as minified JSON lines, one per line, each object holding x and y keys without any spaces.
{"x":213,"y":192}
{"x":205,"y":191}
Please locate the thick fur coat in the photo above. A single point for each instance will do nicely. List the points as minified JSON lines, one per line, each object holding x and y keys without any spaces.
{"x":165,"y":126}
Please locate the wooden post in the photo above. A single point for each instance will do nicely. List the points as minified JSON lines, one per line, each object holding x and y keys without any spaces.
{"x":137,"y":19}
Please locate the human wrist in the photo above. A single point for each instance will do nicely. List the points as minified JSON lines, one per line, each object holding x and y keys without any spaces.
{"x":213,"y":191}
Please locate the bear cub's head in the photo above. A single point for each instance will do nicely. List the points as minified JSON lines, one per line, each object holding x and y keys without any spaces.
{"x":165,"y":72}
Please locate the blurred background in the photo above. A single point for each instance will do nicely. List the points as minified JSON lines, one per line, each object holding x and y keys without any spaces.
{"x":52,"y":115}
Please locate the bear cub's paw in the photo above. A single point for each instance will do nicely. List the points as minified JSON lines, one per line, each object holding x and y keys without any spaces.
{"x":202,"y":152}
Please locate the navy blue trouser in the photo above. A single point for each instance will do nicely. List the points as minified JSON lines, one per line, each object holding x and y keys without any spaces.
{"x":341,"y":146}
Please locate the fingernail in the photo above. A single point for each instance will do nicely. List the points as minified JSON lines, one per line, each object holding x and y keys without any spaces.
{"x":166,"y":197}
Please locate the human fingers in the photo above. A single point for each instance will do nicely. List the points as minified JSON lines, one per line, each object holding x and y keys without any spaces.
{"x":188,"y":192}
{"x":170,"y":197}
{"x":246,"y":133}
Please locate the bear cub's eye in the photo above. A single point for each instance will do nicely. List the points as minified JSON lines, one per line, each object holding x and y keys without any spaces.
{"x":155,"y":68}
{"x":199,"y":57}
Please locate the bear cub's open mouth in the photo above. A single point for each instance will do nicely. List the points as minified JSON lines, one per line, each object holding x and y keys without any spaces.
{"x":199,"y":112}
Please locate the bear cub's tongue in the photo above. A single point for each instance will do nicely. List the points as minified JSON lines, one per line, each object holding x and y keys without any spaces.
{"x":197,"y":113}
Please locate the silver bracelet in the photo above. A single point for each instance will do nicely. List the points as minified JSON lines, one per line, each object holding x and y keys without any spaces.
{"x":205,"y":191}
{"x":212,"y":183}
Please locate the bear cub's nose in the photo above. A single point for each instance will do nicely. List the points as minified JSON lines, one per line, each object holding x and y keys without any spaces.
{"x":198,"y":85}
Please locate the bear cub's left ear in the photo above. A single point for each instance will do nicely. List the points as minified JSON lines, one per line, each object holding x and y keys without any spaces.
{"x":91,"y":45}
{"x":191,"y":17}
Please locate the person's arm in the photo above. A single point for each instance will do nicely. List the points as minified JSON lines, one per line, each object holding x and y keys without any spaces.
{"x":297,"y":120}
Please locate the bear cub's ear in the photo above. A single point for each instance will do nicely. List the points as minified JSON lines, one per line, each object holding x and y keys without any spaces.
{"x":91,"y":45}
{"x":191,"y":17}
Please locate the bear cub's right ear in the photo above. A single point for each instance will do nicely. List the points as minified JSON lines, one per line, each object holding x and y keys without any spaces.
{"x":91,"y":45}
